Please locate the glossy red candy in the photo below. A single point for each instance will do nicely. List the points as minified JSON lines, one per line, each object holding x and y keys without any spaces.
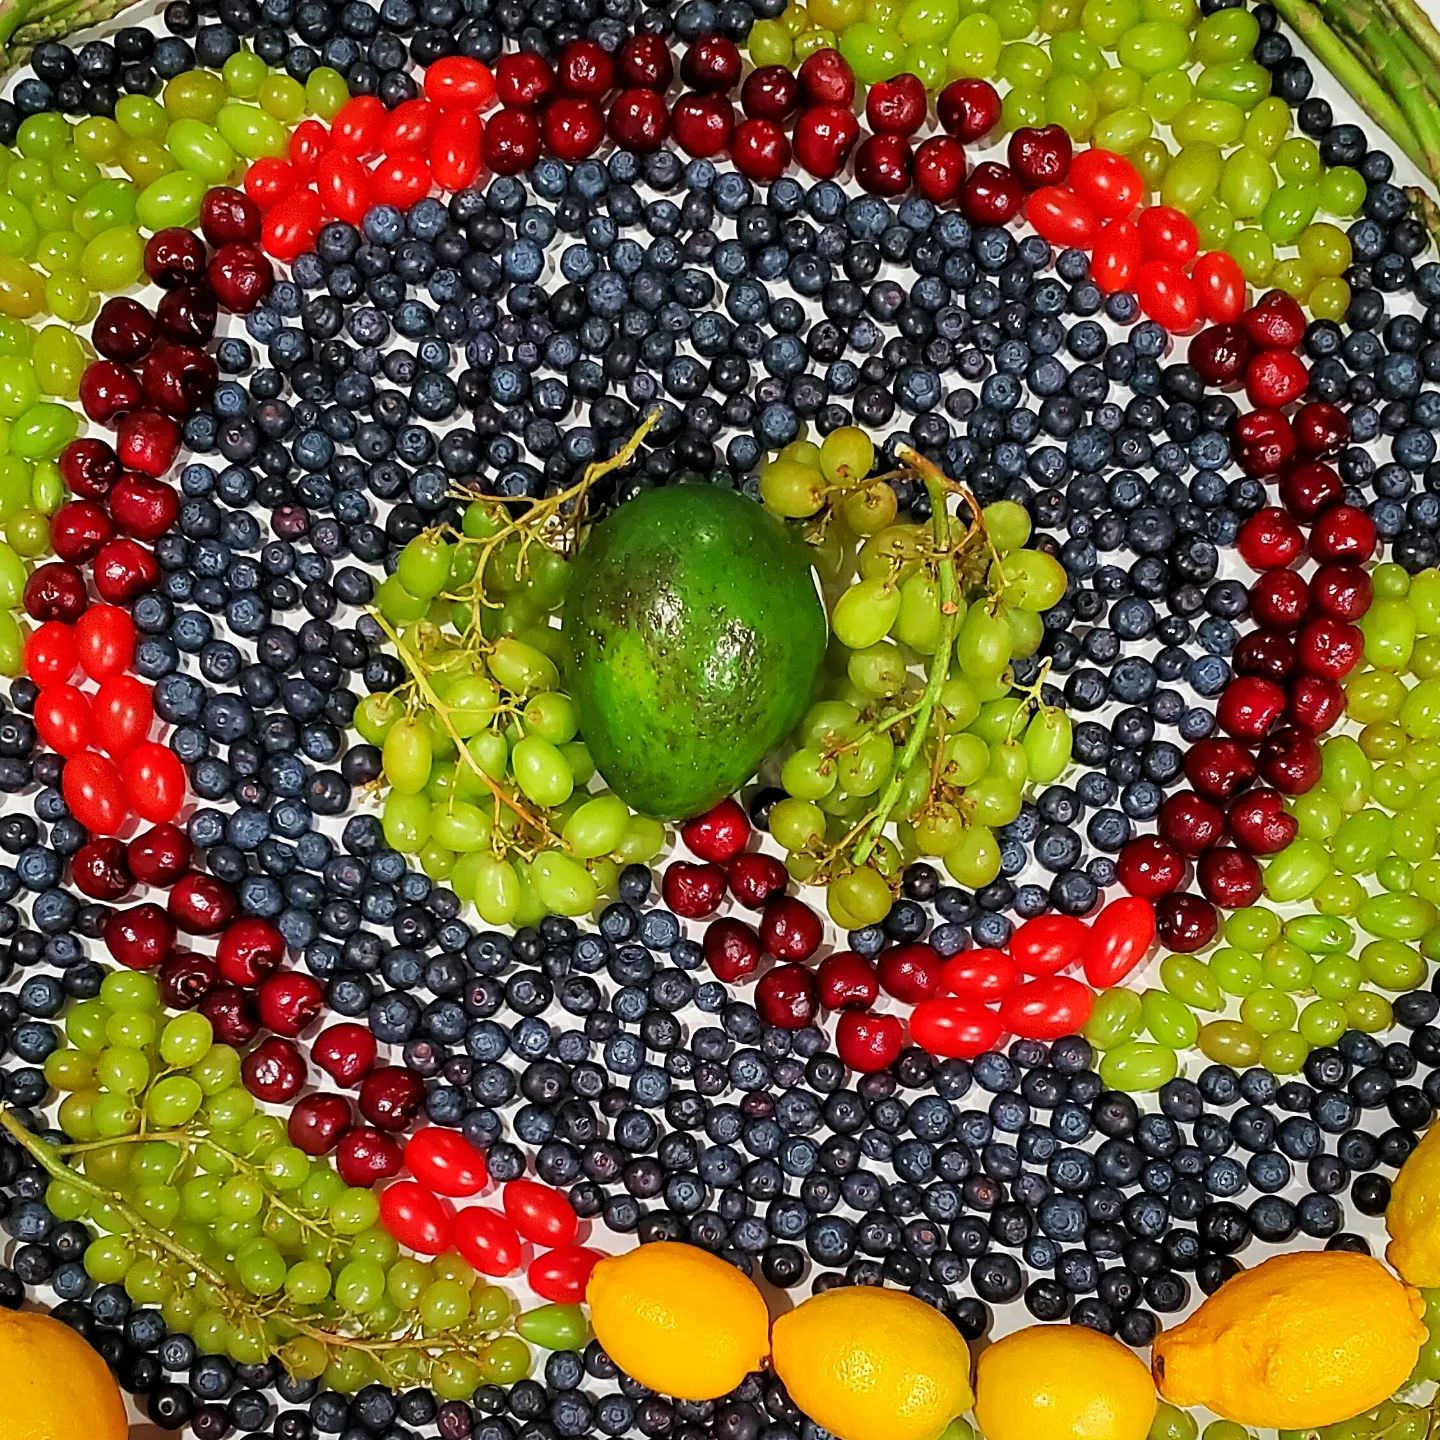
{"x":560,"y":1276}
{"x":1220,"y":283}
{"x":1115,"y":258}
{"x":1047,"y":944}
{"x":415,"y":1217}
{"x":954,"y":1029}
{"x":1120,"y":938}
{"x":1167,"y":295}
{"x":441,"y":1160}
{"x":1060,"y":216}
{"x":1047,"y":1008}
{"x":984,"y":974}
{"x":541,"y":1214}
{"x":487,"y":1240}
{"x":1108,"y":183}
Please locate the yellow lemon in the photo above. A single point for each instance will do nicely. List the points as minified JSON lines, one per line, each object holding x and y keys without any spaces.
{"x":53,"y":1386}
{"x":678,"y":1319}
{"x":1062,"y":1382}
{"x":873,"y":1364}
{"x":1413,"y":1216}
{"x":1299,"y":1342}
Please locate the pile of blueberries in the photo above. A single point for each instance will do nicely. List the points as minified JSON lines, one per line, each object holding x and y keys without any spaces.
{"x":515,"y":334}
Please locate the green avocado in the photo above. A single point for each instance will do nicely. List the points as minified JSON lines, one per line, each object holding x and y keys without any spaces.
{"x":696,"y":633}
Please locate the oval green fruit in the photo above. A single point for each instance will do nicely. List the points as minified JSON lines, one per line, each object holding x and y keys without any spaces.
{"x":696,"y":634}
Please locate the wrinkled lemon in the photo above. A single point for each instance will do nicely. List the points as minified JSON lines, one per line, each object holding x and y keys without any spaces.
{"x":678,"y":1319}
{"x":53,"y":1386}
{"x":873,"y":1364}
{"x":1298,"y":1342}
{"x":1063,"y":1382}
{"x":1413,"y":1216}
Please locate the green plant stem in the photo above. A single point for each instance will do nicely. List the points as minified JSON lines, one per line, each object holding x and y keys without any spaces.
{"x":1310,"y":22}
{"x":24,"y":26}
{"x":938,"y":489}
{"x":1417,"y":25}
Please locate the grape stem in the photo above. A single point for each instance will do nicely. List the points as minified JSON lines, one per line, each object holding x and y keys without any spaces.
{"x":49,"y":1158}
{"x":938,"y":487}
{"x":442,"y":713}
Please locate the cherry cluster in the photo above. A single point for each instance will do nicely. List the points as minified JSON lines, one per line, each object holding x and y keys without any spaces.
{"x":1286,"y":690}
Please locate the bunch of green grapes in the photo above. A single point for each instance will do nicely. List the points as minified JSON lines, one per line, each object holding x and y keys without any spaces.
{"x":202,"y":1208}
{"x":921,"y":744}
{"x":488,"y":777}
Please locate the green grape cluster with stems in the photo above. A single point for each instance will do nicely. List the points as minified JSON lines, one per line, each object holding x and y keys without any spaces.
{"x":201,"y":1207}
{"x":487,"y":779}
{"x":921,"y":743}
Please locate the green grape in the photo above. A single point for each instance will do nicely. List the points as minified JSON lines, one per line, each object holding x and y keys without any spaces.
{"x":1342,"y":191}
{"x":864,"y":614}
{"x":1106,"y":22}
{"x":1114,"y":1018}
{"x":1229,"y":1042}
{"x":1217,"y":122}
{"x":1170,"y":1423}
{"x":505,"y":1361}
{"x":1023,"y":65}
{"x":1192,"y":177}
{"x":173,"y":1101}
{"x":1138,"y":1066}
{"x":1190,"y":981}
{"x":976,"y":860}
{"x":1289,"y":210}
{"x":444,"y":1304}
{"x":359,"y":1286}
{"x":872,"y":53}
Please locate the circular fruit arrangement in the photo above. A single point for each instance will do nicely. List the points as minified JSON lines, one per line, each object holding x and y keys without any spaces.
{"x":721,"y":720}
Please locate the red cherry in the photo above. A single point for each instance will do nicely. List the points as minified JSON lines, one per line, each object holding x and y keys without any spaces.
{"x":1315,"y":703}
{"x":1343,"y":532}
{"x":123,"y":331}
{"x":897,"y":106}
{"x":159,"y":855}
{"x":712,"y":63}
{"x":147,"y":441}
{"x":201,"y":905}
{"x":732,"y":950}
{"x":55,"y":591}
{"x":1275,"y":321}
{"x":991,"y":195}
{"x":910,"y":973}
{"x":1185,"y":922}
{"x":232,"y":1012}
{"x":187,"y":315}
{"x":512,"y":141}
{"x":1267,"y":653}
{"x":770,"y":93}
{"x":240,"y":277}
{"x":790,"y":929}
{"x":289,"y":1001}
{"x":826,"y":79}
{"x":1344,"y":591}
{"x":89,"y":467}
{"x":1265,"y":442}
{"x":585,"y":70}
{"x":274,"y":1070}
{"x":1229,"y":878}
{"x":785,"y":996}
{"x":756,"y":879}
{"x":940,"y":169}
{"x":139,"y":938}
{"x":1279,"y":600}
{"x":1290,"y":760}
{"x":317,"y":1122}
{"x":824,"y":137}
{"x":391,"y":1097}
{"x":644,"y":60}
{"x":78,"y":529}
{"x":638,"y":121}
{"x":122,"y":570}
{"x":760,"y":150}
{"x":345,"y":1052}
{"x":185,"y":979}
{"x":229,"y":217}
{"x":108,"y":391}
{"x":882,"y":164}
{"x":1220,"y":353}
{"x":846,"y":981}
{"x":703,"y":124}
{"x":1330,"y":648}
{"x":144,"y":507}
{"x":1189,"y":823}
{"x":99,"y":870}
{"x":1275,"y":378}
{"x":524,"y":79}
{"x":968,"y":109}
{"x":1260,"y":822}
{"x":693,"y":891}
{"x":249,"y":950}
{"x":1040,"y":155}
{"x":365,"y":1156}
{"x":573,"y":128}
{"x":718,"y":835}
{"x":1321,"y":428}
{"x":174,"y":257}
{"x":1250,"y":707}
{"x":1149,"y":867}
{"x":868,"y":1043}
